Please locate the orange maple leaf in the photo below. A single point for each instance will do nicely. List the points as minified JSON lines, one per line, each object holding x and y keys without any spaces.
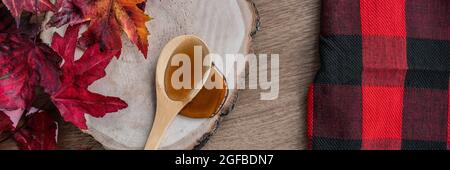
{"x":107,"y":19}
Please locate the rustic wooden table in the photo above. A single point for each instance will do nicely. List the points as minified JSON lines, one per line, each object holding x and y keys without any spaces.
{"x":289,"y":28}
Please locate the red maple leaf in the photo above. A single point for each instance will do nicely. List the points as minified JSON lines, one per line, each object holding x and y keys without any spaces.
{"x":107,"y":18}
{"x":27,"y":28}
{"x":68,"y":13}
{"x":24,"y":65}
{"x":40,"y":133}
{"x":18,"y":6}
{"x":16,"y":82}
{"x":73,"y":99}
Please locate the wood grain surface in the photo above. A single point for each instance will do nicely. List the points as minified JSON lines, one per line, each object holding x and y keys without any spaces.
{"x":289,"y":28}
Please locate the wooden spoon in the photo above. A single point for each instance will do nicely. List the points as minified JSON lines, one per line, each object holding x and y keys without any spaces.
{"x":171,"y":101}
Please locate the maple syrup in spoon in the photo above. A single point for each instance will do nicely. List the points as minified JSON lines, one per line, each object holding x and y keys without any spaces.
{"x":194,"y":102}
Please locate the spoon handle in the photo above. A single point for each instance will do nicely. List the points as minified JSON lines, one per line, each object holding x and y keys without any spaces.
{"x":163,"y":119}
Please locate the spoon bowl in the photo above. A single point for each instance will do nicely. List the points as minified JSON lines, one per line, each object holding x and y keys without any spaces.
{"x":170,"y":99}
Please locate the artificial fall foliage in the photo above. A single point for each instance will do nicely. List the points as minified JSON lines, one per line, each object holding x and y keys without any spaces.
{"x":5,"y":123}
{"x":18,"y":6}
{"x":107,"y":20}
{"x":39,"y":133}
{"x":37,"y":79}
{"x":73,"y":99}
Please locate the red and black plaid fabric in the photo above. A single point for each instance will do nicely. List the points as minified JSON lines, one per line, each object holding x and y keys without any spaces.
{"x":384,"y":78}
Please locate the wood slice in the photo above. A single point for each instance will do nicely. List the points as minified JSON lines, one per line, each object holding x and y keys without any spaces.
{"x":225,"y":25}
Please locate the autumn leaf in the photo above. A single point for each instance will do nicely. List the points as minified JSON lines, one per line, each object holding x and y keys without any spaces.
{"x":21,"y":44}
{"x":107,"y":19}
{"x":7,"y":24}
{"x":73,"y":99}
{"x":17,"y":84}
{"x":18,"y":6}
{"x":5,"y":123}
{"x":40,"y":133}
{"x":28,"y":67}
{"x":25,"y":64}
{"x":6,"y":20}
{"x":67,"y":13}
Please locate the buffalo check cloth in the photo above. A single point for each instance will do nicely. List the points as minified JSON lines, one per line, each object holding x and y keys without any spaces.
{"x":383,"y":83}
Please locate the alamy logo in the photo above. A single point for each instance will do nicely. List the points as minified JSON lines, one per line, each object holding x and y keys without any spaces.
{"x":258,"y":67}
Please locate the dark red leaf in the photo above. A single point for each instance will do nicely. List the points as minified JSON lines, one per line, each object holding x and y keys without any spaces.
{"x":18,"y":80}
{"x":16,"y":7}
{"x":46,"y":63}
{"x":6,"y":20}
{"x":14,"y":116}
{"x":68,"y":13}
{"x":5,"y":123}
{"x":24,"y":65}
{"x":40,"y":133}
{"x":27,"y":28}
{"x":73,"y":98}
